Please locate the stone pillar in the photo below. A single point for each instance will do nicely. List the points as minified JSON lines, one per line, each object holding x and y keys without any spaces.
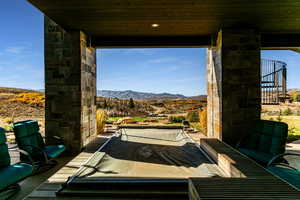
{"x":233,"y":77}
{"x":70,"y":83}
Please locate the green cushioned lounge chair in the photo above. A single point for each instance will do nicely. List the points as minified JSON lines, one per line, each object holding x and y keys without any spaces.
{"x":264,"y":141}
{"x":10,"y":175}
{"x":287,"y":167}
{"x":29,"y":139}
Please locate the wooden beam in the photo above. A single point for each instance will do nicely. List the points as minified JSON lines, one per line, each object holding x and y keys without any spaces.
{"x":152,"y":41}
{"x":268,"y":41}
{"x":280,"y":41}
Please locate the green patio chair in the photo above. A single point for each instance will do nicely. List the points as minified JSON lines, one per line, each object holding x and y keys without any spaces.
{"x":10,"y":175}
{"x":264,"y":141}
{"x":30,"y":140}
{"x":287,"y":167}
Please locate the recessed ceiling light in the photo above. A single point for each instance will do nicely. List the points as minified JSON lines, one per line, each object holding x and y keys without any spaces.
{"x":155,"y":25}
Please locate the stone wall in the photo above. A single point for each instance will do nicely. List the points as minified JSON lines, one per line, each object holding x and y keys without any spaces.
{"x":233,"y":76}
{"x":214,"y":92}
{"x":88,"y":90}
{"x":70,"y":83}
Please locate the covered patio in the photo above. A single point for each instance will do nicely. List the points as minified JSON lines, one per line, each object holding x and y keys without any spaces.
{"x":233,"y":32}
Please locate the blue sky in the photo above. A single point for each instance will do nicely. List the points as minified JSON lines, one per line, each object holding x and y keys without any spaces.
{"x":153,"y":70}
{"x":150,"y":70}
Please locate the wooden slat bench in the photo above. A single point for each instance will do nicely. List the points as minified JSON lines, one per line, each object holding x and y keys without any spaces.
{"x":241,"y":188}
{"x":245,"y":178}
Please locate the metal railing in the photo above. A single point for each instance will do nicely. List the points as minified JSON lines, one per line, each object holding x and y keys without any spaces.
{"x":273,"y":81}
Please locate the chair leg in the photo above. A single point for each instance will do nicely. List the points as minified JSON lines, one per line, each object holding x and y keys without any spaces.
{"x":52,"y":162}
{"x":42,"y":167}
{"x":10,"y":191}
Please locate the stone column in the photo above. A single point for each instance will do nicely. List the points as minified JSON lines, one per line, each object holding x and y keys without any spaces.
{"x":233,"y":77}
{"x":70,"y":86}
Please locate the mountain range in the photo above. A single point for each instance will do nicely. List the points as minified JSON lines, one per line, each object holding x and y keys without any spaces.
{"x":127,"y":94}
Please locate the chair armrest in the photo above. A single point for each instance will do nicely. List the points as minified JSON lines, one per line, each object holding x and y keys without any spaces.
{"x":21,"y":151}
{"x":272,"y":161}
{"x":57,"y":138}
{"x":34,"y":147}
{"x":26,"y":154}
{"x":39,"y":149}
{"x":13,"y":147}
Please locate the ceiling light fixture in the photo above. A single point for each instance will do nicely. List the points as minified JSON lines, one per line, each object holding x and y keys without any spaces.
{"x":155,"y":25}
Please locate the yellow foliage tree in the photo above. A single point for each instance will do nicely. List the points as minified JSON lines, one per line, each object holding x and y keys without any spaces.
{"x":101,"y":118}
{"x":8,"y":120}
{"x":294,"y":96}
{"x":32,"y":98}
{"x":203,"y":120}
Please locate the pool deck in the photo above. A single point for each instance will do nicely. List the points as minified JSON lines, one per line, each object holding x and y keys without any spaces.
{"x":243,"y":178}
{"x":48,"y":188}
{"x":293,"y":146}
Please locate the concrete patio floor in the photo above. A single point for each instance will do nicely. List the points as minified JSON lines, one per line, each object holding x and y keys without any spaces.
{"x":293,"y":146}
{"x":32,"y":182}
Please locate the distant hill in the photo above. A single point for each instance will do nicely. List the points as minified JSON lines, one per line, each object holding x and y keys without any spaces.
{"x":199,"y":97}
{"x":293,"y":90}
{"x":127,"y":94}
{"x":137,"y":95}
{"x":15,"y":90}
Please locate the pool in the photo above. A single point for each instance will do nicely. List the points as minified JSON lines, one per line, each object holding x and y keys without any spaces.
{"x":142,"y":158}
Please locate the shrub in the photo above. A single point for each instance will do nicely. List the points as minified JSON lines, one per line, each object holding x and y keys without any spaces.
{"x":8,"y":120}
{"x":292,"y":137}
{"x":193,"y":116}
{"x":295,"y":97}
{"x":131,"y":103}
{"x":176,"y":119}
{"x":287,"y":111}
{"x":8,"y":128}
{"x":203,"y":120}
{"x":32,"y":98}
{"x":101,"y":118}
{"x":292,"y":129}
{"x":279,"y":118}
{"x":105,"y":105}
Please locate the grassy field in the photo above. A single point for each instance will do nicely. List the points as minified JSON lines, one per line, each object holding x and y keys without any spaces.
{"x":293,"y":122}
{"x":139,"y":119}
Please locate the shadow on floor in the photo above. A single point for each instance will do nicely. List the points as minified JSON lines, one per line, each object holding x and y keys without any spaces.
{"x":293,"y":147}
{"x":32,"y":182}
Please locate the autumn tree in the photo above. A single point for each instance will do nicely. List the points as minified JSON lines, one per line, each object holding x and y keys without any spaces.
{"x":203,"y":120}
{"x":294,"y":96}
{"x":104,"y":104}
{"x":131,"y":103}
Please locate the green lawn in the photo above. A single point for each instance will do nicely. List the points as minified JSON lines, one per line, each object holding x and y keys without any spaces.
{"x":139,"y":119}
{"x":292,"y":121}
{"x":113,"y":119}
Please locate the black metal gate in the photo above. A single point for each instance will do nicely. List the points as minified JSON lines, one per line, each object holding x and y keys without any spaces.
{"x":273,"y":81}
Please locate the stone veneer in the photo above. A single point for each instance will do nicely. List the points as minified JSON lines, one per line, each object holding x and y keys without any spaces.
{"x":233,"y":89}
{"x":70,"y":83}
